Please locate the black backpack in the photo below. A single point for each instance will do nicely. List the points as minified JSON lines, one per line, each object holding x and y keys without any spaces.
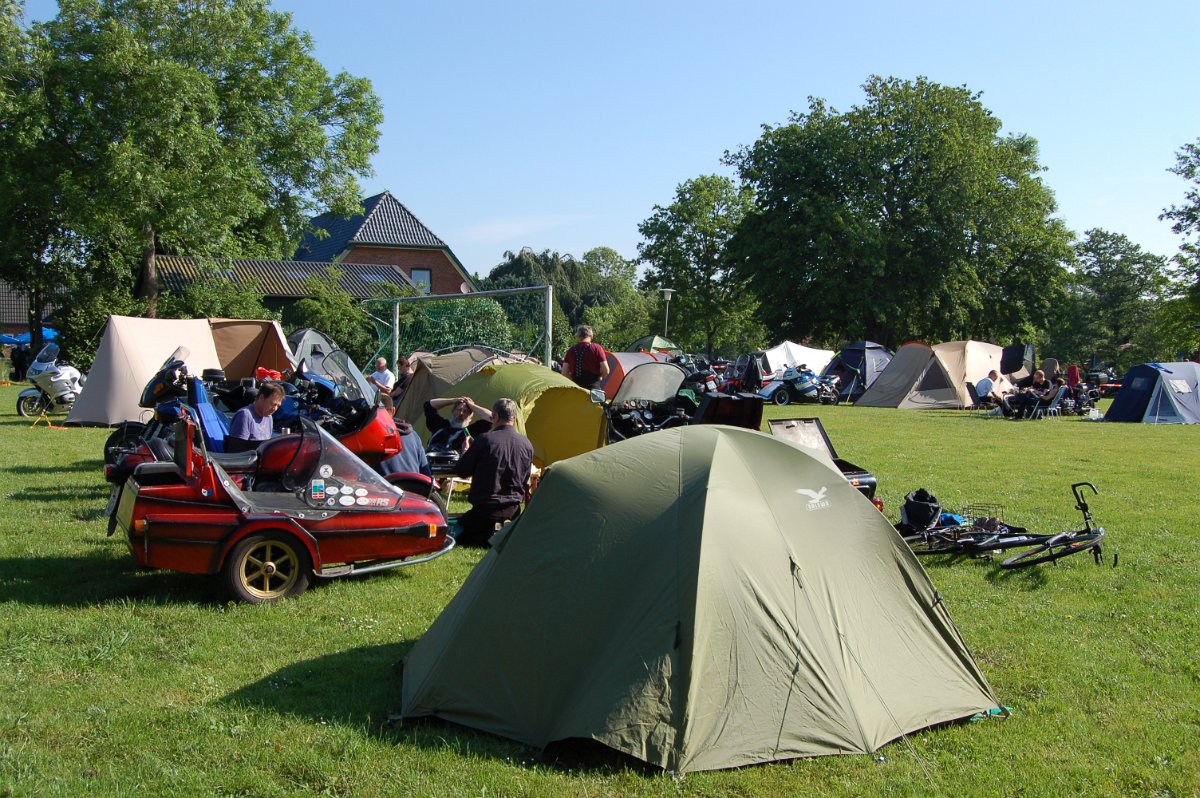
{"x":921,"y":510}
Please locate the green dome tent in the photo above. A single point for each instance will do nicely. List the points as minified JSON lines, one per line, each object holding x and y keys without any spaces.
{"x":700,"y":598}
{"x":557,"y":416}
{"x":655,"y":343}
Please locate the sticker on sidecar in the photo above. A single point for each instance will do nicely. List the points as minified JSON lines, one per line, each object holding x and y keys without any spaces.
{"x":326,"y":470}
{"x":317,"y":490}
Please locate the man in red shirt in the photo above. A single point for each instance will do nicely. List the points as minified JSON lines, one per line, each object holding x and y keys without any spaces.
{"x":586,"y":363}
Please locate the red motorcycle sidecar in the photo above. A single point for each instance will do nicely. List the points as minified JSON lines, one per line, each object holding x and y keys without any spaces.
{"x":301,"y":506}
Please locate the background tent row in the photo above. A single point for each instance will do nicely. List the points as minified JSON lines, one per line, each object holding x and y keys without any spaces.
{"x":1159,"y":393}
{"x":133,"y":349}
{"x":791,"y":355}
{"x":927,"y":377}
{"x":857,"y":366}
{"x":700,"y":612}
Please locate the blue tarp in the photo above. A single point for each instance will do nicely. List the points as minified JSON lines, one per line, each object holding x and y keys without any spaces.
{"x":48,"y":334}
{"x":1159,"y":393}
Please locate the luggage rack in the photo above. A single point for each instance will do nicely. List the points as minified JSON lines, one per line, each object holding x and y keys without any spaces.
{"x":982,"y":510}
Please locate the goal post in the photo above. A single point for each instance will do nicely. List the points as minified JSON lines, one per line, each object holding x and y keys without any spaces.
{"x":507,"y":319}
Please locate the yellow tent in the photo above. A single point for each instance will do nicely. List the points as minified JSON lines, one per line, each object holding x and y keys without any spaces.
{"x":556,"y":415}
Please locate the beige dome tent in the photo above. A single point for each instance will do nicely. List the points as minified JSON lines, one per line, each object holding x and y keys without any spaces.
{"x":703,"y":597}
{"x":434,"y":374}
{"x":923,"y":377}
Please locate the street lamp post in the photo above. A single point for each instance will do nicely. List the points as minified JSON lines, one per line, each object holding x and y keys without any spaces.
{"x":667,"y":293}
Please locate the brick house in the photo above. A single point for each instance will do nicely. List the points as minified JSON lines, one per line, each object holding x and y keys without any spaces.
{"x":387,"y":233}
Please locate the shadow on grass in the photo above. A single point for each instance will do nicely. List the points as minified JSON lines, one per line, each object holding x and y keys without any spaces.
{"x":98,"y":578}
{"x":46,"y":495}
{"x":79,"y":466}
{"x":361,"y":687}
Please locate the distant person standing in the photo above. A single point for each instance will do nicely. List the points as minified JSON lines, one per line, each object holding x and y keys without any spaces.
{"x":586,"y":363}
{"x":383,"y":380}
{"x":404,"y":372}
{"x":20,"y":361}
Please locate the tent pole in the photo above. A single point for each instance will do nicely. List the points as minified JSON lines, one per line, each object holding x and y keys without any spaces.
{"x":395,"y":333}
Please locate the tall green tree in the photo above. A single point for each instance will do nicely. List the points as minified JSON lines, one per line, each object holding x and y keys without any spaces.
{"x":1116,"y":304}
{"x":203,"y":128}
{"x":1186,"y":217}
{"x":685,"y":249}
{"x":908,"y":216}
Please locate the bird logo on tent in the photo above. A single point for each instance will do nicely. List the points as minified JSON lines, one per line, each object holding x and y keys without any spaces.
{"x":816,"y":499}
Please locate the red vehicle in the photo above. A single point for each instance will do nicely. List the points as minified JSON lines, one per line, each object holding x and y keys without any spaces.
{"x":300,"y":506}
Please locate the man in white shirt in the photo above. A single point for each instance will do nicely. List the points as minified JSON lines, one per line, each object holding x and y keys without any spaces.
{"x":986,"y":389}
{"x":383,"y":379}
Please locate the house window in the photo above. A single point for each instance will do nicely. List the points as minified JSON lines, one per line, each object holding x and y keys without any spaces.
{"x":422,"y":279}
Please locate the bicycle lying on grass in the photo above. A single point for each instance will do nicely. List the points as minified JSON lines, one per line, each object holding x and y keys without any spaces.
{"x":985,"y":535}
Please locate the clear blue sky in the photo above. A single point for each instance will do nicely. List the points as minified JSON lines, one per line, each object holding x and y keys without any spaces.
{"x":561,"y":124}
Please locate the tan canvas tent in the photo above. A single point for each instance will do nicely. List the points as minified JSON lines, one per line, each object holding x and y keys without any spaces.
{"x":703,"y":597}
{"x":130,"y":353}
{"x":432,"y":377}
{"x":133,"y":349}
{"x":925,"y":377}
{"x":245,"y":344}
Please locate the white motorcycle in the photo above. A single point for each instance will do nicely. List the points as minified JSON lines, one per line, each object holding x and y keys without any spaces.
{"x":56,"y":385}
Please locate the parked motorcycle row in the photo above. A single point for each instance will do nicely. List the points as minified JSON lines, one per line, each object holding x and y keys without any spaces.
{"x":305,"y":503}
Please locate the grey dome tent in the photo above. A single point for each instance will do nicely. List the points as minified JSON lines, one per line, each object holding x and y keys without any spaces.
{"x":700,"y":598}
{"x":1159,"y":393}
{"x":857,"y":365}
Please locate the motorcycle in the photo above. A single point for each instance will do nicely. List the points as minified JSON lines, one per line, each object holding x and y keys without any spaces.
{"x":795,"y":384}
{"x":56,"y":386}
{"x":829,"y":389}
{"x":653,"y":396}
{"x":302,"y":506}
{"x":336,"y":401}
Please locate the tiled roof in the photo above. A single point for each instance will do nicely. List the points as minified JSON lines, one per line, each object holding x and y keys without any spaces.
{"x":279,"y":278}
{"x":14,"y":305}
{"x":384,"y":222}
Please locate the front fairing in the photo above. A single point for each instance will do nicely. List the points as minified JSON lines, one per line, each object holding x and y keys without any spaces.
{"x":655,"y":382}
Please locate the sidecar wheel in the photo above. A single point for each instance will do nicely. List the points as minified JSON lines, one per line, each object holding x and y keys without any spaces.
{"x":267,"y":567}
{"x":782,"y":397}
{"x":29,"y":406}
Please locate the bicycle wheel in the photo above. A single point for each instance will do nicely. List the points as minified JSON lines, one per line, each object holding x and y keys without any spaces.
{"x":1056,"y":548}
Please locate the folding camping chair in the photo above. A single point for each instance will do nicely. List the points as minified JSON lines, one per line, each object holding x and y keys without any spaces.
{"x":1050,"y":408}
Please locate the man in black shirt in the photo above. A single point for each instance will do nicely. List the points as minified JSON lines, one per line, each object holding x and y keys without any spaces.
{"x":498,"y":463}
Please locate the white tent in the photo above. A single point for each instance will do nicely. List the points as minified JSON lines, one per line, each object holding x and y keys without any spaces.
{"x":790,"y":355}
{"x":925,"y":377}
{"x":134,"y":349}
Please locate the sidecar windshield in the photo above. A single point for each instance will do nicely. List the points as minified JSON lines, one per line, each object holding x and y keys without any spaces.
{"x":339,"y":480}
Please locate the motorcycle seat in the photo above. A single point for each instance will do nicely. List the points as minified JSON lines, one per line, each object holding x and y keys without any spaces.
{"x":236,"y":461}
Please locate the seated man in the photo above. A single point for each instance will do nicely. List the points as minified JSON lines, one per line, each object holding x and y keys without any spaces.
{"x":251,"y":425}
{"x":454,"y":432}
{"x":1039,"y":390}
{"x":498,"y":464}
{"x":989,"y":395}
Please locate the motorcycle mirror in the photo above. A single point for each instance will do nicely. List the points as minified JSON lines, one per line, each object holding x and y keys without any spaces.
{"x":597,"y":396}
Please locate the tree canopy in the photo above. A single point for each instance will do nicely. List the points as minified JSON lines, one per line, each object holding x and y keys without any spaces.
{"x":908,"y":216}
{"x":204,"y":128}
{"x":685,"y":249}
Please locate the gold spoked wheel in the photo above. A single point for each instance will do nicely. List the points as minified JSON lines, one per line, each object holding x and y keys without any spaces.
{"x":267,"y":567}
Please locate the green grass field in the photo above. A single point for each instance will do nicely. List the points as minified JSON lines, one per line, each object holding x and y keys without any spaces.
{"x":117,"y":681}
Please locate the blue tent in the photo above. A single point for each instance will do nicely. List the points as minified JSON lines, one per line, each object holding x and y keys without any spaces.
{"x":858,"y":364}
{"x":1159,"y":393}
{"x":48,"y":334}
{"x":8,"y":340}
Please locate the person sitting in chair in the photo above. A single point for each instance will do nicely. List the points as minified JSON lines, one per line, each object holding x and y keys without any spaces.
{"x":989,"y":395}
{"x":252,"y":424}
{"x":1040,"y":390}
